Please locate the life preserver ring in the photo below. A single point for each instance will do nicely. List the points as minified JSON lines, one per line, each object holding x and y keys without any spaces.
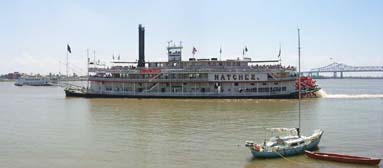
{"x":257,"y":147}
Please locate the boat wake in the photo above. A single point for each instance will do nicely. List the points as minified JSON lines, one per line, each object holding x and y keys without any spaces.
{"x":323,"y":94}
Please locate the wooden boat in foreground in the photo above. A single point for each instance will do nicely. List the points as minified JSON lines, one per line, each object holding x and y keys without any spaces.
{"x":343,"y":158}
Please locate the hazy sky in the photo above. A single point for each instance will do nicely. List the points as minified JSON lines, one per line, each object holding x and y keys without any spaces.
{"x":34,"y":33}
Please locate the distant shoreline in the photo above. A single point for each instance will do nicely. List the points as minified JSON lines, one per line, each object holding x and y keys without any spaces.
{"x":7,"y":80}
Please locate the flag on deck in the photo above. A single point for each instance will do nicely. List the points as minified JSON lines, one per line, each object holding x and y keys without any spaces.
{"x":279,"y":54}
{"x":194,"y":50}
{"x":68,"y":49}
{"x":246,"y":49}
{"x":220,"y":50}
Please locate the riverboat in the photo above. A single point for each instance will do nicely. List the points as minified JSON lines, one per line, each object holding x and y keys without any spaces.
{"x":192,"y":78}
{"x":33,"y":81}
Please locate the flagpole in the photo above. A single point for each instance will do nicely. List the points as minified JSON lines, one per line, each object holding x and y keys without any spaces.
{"x":59,"y":69}
{"x":220,"y":53}
{"x":87,"y":65}
{"x":299,"y":79}
{"x":94,"y":57}
{"x":243,"y":53}
{"x":280,"y":53}
{"x":67,"y":64}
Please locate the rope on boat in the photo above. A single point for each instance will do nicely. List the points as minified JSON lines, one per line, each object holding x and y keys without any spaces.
{"x":294,"y":161}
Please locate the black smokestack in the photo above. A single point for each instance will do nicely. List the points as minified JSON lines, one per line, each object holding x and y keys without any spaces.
{"x":141,"y":46}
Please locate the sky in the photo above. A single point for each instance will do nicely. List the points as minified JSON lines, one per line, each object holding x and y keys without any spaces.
{"x":34,"y":33}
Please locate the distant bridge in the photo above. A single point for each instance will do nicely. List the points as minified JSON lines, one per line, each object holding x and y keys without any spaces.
{"x":340,"y":68}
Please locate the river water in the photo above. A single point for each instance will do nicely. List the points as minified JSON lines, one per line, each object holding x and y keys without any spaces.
{"x":40,"y":127}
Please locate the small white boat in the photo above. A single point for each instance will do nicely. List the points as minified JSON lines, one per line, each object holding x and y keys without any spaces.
{"x":284,"y":142}
{"x":287,"y":141}
{"x":33,"y":81}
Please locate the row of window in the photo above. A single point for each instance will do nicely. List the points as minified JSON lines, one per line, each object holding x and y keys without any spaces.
{"x":263,"y":83}
{"x":265,"y":89}
{"x":262,"y":89}
{"x":161,"y":76}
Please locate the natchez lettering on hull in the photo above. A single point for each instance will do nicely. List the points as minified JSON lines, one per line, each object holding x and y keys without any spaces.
{"x":237,"y":77}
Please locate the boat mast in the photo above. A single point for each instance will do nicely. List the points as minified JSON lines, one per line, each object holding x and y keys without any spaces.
{"x":299,"y":82}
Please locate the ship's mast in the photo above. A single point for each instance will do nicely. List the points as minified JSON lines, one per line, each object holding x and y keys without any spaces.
{"x":299,"y":81}
{"x":87,"y":67}
{"x":279,"y":54}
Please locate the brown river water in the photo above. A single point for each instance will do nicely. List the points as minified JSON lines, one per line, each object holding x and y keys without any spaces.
{"x":40,"y":127}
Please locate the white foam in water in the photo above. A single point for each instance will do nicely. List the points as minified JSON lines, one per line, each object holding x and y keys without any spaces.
{"x":323,"y":94}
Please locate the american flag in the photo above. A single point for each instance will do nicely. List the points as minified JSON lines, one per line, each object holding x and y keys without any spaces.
{"x":68,"y":48}
{"x":194,"y":50}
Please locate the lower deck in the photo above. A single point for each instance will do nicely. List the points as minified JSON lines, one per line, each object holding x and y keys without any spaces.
{"x":193,"y":89}
{"x":180,"y":96}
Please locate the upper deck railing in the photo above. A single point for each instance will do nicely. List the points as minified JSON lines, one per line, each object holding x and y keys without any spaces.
{"x":111,"y":79}
{"x":256,"y":68}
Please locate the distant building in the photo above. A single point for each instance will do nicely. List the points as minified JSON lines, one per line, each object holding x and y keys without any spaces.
{"x":14,"y":75}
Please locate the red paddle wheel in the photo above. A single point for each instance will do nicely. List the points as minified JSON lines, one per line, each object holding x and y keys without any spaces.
{"x":306,"y":83}
{"x":308,"y":86}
